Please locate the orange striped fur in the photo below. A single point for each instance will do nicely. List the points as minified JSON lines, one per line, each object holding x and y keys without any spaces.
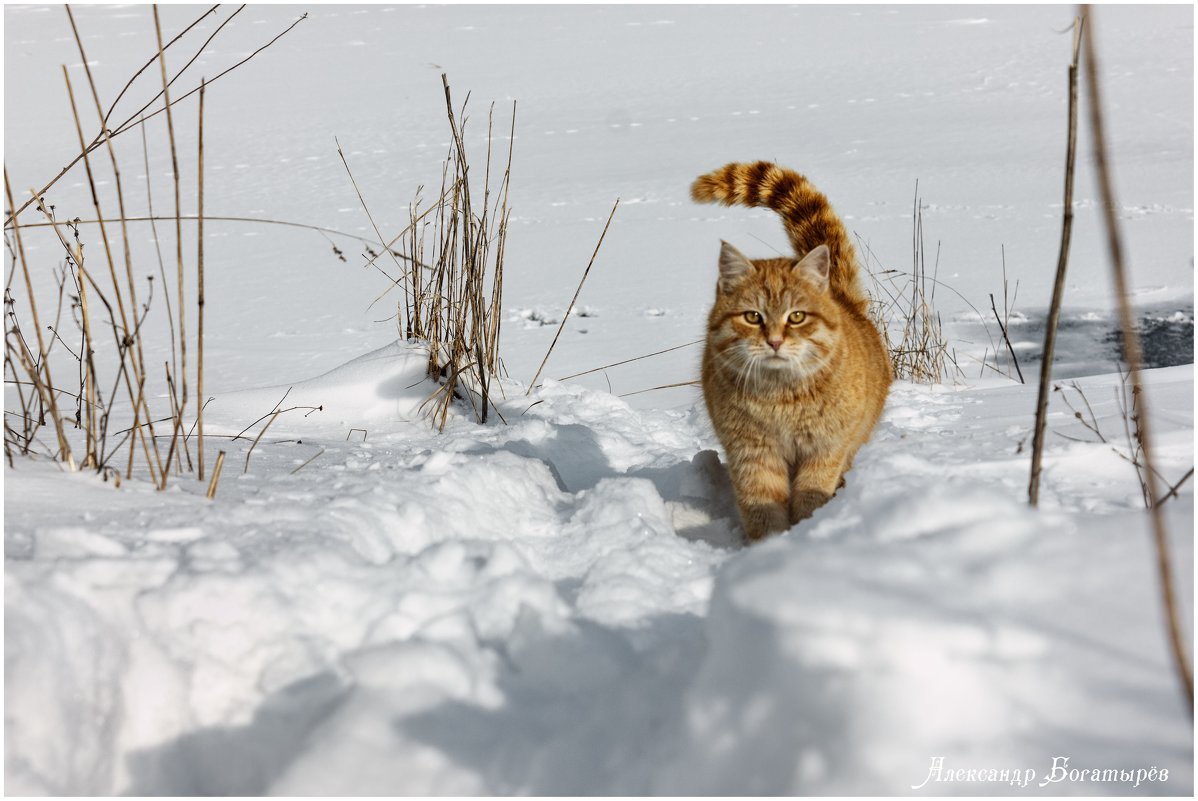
{"x":795,"y":375}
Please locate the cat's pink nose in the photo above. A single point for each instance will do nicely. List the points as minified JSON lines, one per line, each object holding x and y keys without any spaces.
{"x":775,"y":343}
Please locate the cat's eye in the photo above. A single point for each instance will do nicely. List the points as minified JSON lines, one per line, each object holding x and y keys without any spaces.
{"x":753,"y":318}
{"x":796,"y":317}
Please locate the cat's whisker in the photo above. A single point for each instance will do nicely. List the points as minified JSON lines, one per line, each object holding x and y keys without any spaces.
{"x":742,"y":379}
{"x":754,"y":367}
{"x":741,"y":367}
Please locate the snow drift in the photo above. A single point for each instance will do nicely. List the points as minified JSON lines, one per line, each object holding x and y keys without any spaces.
{"x":558,"y":605}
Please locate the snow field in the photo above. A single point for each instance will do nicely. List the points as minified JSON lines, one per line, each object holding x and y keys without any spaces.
{"x":559,"y":605}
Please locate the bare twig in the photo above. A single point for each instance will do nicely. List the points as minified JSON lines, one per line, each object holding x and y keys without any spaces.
{"x":1006,"y":338}
{"x":137,"y":120}
{"x":1091,"y":424}
{"x":1129,"y":413}
{"x":1058,"y":287}
{"x":1172,"y":493}
{"x":129,"y":123}
{"x":254,"y":444}
{"x":44,"y":388}
{"x":276,"y":409}
{"x":87,"y":372}
{"x":177,"y":75}
{"x":150,"y":61}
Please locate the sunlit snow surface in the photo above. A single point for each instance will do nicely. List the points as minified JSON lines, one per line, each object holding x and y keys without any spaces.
{"x":557,"y":602}
{"x":557,"y":605}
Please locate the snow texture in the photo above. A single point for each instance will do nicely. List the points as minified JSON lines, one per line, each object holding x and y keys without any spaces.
{"x":558,"y":606}
{"x":558,"y":602}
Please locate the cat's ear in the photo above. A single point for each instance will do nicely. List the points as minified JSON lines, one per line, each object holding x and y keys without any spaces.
{"x":815,"y":265}
{"x":733,"y":265}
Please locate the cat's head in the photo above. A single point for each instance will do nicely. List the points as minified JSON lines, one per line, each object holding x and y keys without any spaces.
{"x":774,"y":320}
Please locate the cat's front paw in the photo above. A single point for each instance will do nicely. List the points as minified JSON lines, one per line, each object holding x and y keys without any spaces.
{"x":764,"y":519}
{"x":805,"y":502}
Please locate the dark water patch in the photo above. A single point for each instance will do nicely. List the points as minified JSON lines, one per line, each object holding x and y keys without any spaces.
{"x":1164,"y":341}
{"x":1089,"y":342}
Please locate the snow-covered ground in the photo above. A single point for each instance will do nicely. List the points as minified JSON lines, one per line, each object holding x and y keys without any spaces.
{"x":558,"y":606}
{"x":557,"y":602}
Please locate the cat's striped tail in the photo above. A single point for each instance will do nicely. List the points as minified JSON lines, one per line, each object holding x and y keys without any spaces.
{"x":806,"y":214}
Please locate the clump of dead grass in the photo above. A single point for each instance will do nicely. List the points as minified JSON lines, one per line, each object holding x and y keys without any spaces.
{"x":448,"y":264}
{"x":71,"y":383}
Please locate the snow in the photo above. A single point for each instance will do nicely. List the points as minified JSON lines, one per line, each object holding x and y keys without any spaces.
{"x":558,"y":602}
{"x":559,"y":606}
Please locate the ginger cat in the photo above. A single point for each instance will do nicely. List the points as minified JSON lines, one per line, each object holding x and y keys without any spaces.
{"x":794,"y":373}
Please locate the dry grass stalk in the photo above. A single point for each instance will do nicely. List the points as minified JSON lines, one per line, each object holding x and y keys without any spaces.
{"x":179,"y":399}
{"x":633,"y":359}
{"x":902,"y":306}
{"x":254,"y":444}
{"x":1006,"y":337}
{"x":1132,"y":353}
{"x":130,"y":363}
{"x":154,"y":218}
{"x":906,"y":302}
{"x":175,"y":452}
{"x":200,"y":403}
{"x":1058,"y":287}
{"x":663,"y":386}
{"x":220,"y":462}
{"x":1004,"y":322}
{"x":199,"y":51}
{"x":310,"y":461}
{"x":373,"y":224}
{"x":573,"y":300}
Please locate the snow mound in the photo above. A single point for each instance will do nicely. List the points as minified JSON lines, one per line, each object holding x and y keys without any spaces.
{"x":846,"y":665}
{"x":381,"y":388}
